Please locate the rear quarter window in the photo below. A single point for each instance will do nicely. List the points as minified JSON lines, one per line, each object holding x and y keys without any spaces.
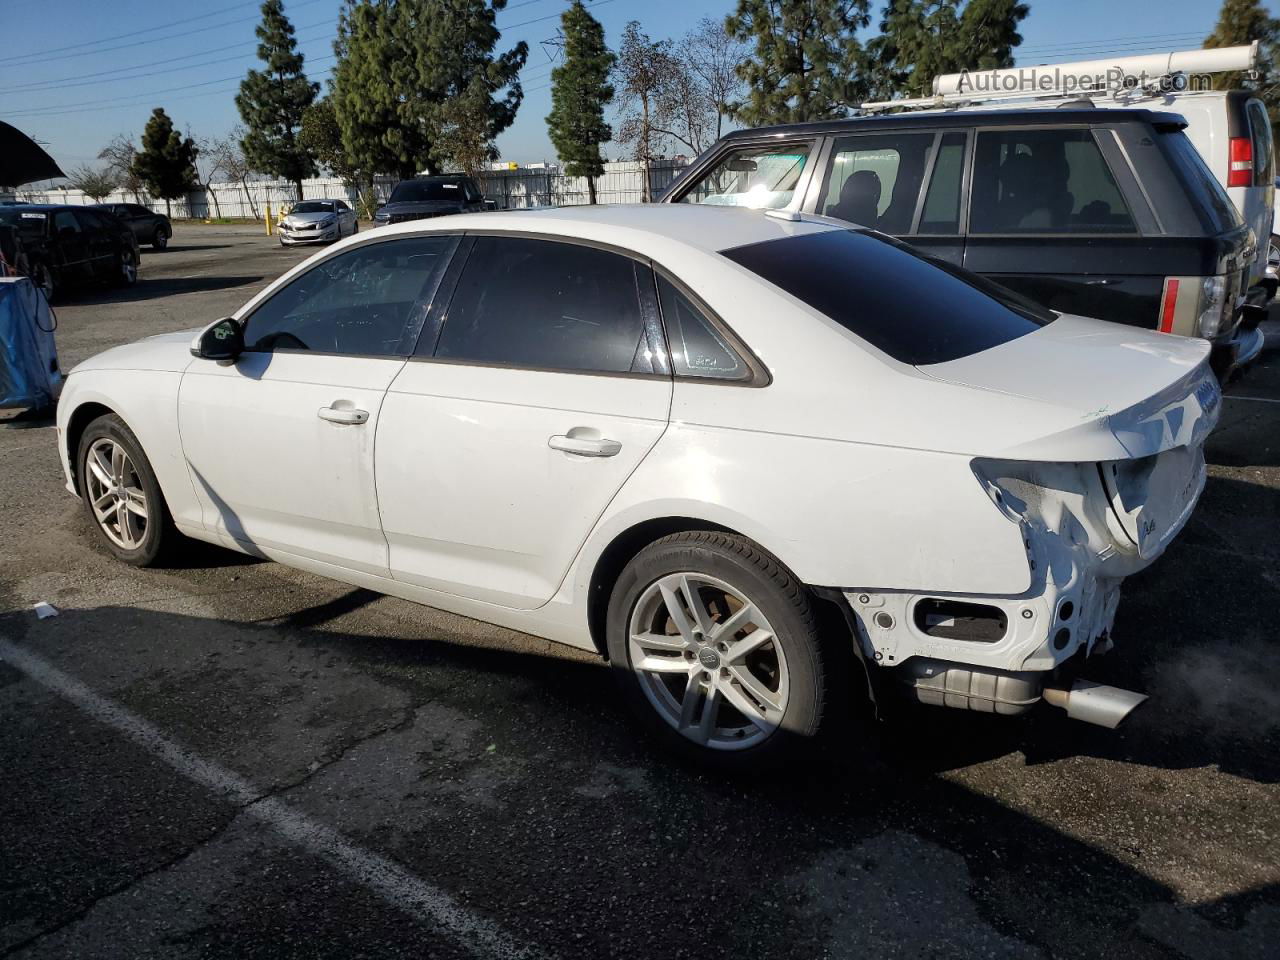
{"x":916,"y":310}
{"x":1214,"y":209}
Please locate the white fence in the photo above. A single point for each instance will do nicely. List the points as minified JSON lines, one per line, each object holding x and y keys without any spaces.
{"x":622,"y":182}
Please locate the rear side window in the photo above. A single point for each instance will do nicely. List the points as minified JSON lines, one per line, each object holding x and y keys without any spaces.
{"x":757,"y":177}
{"x":1044,"y":181}
{"x":1264,"y":166}
{"x":544,"y":304}
{"x":1214,"y":209}
{"x":916,"y":310}
{"x":697,"y":347}
{"x":942,"y":203}
{"x":874,"y":180}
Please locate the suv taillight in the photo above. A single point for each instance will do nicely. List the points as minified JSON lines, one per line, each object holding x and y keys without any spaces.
{"x":1199,"y":306}
{"x":1240,"y":170}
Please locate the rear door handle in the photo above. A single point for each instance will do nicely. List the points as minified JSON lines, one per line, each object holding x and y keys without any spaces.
{"x":584,"y":446}
{"x":342,"y":415}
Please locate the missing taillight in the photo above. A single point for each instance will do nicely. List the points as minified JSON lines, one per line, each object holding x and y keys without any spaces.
{"x":960,"y":620}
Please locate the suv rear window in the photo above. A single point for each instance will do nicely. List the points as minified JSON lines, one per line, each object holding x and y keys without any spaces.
{"x":416,"y":191}
{"x":917,"y":310}
{"x":1216,"y":212}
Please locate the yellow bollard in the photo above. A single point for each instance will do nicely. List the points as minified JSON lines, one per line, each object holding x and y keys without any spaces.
{"x":268,"y":219}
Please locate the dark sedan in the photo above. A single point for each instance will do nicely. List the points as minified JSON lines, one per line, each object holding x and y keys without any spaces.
{"x":72,"y":246}
{"x":148,"y":227}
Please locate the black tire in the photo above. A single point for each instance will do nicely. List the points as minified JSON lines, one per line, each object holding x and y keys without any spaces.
{"x":126,"y":268}
{"x":159,"y":534}
{"x":42,"y":277}
{"x":783,"y":601}
{"x":160,"y":239}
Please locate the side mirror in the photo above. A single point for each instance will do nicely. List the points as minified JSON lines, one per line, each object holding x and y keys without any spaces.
{"x":223,"y":342}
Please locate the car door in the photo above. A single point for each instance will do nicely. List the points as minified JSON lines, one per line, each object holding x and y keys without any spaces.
{"x":72,"y":247}
{"x":100,"y":242}
{"x":139,"y":219}
{"x":280,"y":444}
{"x":530,"y":401}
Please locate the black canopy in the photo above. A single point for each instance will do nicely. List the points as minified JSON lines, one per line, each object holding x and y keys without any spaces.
{"x":22,"y":160}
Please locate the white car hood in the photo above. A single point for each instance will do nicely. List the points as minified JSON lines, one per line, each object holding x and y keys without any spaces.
{"x":1147,"y":391}
{"x":165,"y":351}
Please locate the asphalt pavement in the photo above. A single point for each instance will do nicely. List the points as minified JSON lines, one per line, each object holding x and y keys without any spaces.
{"x":228,"y":758}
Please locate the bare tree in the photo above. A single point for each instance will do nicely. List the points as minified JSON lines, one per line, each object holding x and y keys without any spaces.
{"x":119,"y":155}
{"x":712,"y":56}
{"x":642,"y":80}
{"x":95,"y":182}
{"x":205,"y":155}
{"x":227,"y":157}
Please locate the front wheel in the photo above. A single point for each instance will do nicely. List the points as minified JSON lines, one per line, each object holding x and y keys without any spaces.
{"x":715,"y":646}
{"x":121,"y":494}
{"x":160,"y":240}
{"x":1273,"y":256}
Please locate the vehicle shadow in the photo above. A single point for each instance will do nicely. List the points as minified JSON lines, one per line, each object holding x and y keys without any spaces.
{"x":148,"y":251}
{"x":856,"y":855}
{"x":16,"y":419}
{"x":151,"y":289}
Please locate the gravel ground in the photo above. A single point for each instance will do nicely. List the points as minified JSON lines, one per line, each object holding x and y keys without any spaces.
{"x":230,"y":758}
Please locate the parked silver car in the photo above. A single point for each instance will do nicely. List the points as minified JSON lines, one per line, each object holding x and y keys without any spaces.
{"x":317,"y":221}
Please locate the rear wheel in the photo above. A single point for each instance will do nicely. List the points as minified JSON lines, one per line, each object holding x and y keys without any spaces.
{"x":126,"y":268}
{"x":121,"y":494}
{"x":1273,"y":256}
{"x":160,"y":239}
{"x":715,"y":646}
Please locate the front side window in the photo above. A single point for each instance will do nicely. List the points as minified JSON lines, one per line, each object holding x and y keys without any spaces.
{"x":1044,"y":181}
{"x":545,"y":304}
{"x":65,"y":220}
{"x":697,"y":348}
{"x":873,"y":180}
{"x":357,"y":303}
{"x":758,"y":177}
{"x":917,"y":310}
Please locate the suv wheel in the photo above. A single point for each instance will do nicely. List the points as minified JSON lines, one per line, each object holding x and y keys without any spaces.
{"x":121,"y":494}
{"x":1273,"y":256}
{"x":160,"y":239}
{"x":716,"y":648}
{"x":127,"y":269}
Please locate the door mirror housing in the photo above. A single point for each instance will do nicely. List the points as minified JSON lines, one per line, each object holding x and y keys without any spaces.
{"x":222,"y":341}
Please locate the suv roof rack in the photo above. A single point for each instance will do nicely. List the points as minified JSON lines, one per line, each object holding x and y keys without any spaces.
{"x":1125,"y":79}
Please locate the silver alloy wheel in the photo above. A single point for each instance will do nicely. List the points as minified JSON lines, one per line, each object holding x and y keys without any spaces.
{"x":129,"y":268}
{"x":708,"y":661}
{"x":115,"y":493}
{"x":160,"y":240}
{"x":1273,"y":257}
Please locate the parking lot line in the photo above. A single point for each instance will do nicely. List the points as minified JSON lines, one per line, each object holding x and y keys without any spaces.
{"x":387,"y":879}
{"x":1258,"y":399}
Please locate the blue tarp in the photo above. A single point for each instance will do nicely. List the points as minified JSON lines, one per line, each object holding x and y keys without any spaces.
{"x":29,"y":374}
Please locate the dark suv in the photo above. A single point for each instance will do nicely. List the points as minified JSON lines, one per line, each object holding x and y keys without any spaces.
{"x":1103,"y":213}
{"x":435,"y":196}
{"x":71,"y":246}
{"x":148,"y":227}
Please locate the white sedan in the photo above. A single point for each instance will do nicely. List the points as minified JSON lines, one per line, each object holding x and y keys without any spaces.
{"x":742,"y":455}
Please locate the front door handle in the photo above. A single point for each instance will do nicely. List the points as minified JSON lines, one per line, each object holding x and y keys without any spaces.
{"x":584,"y":446}
{"x":343,"y":415}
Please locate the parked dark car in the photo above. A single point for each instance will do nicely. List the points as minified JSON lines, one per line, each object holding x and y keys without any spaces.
{"x":424,"y":197}
{"x":148,"y":227}
{"x":1102,"y":213}
{"x":73,"y":246}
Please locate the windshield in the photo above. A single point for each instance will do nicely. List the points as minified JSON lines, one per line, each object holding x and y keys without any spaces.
{"x":415,"y":191}
{"x":313,"y":206}
{"x":30,"y":223}
{"x":917,"y":310}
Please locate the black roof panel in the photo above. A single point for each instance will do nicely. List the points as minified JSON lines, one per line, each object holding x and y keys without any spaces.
{"x":963,"y":118}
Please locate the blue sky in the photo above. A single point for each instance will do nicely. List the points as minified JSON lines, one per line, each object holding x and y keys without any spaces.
{"x":74,"y":74}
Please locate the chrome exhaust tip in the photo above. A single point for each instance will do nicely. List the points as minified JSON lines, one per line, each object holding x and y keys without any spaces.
{"x":1095,"y":703}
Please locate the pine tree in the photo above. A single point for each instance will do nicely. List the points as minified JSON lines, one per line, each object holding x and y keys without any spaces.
{"x":452,"y":44}
{"x":920,"y":39}
{"x":580,"y":90}
{"x":1241,"y":22}
{"x":166,"y":162}
{"x":807,"y":59}
{"x":272,"y":101}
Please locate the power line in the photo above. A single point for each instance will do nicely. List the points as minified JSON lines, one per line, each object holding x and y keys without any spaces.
{"x":80,"y":81}
{"x":1100,"y":41}
{"x":27,"y":59}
